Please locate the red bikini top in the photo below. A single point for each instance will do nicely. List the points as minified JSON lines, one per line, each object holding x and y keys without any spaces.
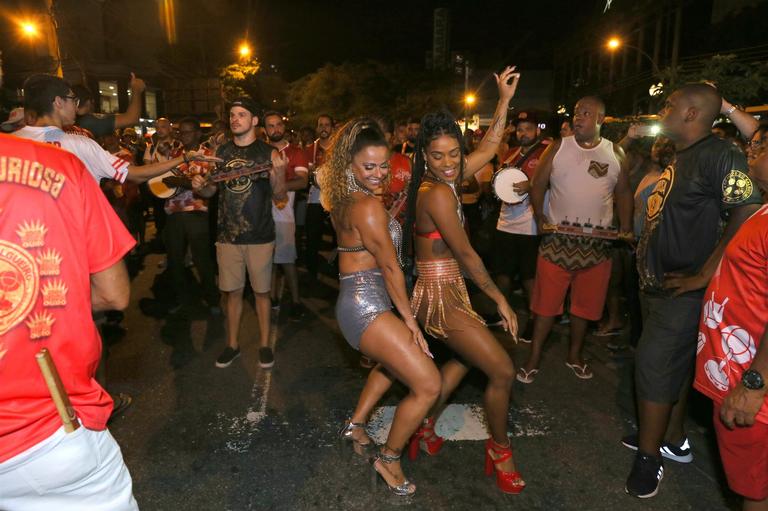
{"x":433,"y":235}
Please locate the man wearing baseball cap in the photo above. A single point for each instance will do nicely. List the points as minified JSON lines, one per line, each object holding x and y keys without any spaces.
{"x":14,"y":122}
{"x":246,"y":230}
{"x":516,"y":237}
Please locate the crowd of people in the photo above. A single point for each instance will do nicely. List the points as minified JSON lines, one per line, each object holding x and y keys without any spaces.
{"x":664,"y":230}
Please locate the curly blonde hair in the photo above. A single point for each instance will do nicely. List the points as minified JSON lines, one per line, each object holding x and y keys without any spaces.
{"x":353,"y":137}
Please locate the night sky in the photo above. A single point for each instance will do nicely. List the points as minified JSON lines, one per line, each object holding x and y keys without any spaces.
{"x":301,"y":36}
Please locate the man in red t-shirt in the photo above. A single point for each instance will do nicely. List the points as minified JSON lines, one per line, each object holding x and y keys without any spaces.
{"x":394,"y":192}
{"x":732,"y":359}
{"x":61,"y":249}
{"x":296,"y":178}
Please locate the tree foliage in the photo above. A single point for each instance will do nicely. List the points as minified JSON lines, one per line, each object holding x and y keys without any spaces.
{"x":369,"y":88}
{"x":743,"y":83}
{"x":240,"y":79}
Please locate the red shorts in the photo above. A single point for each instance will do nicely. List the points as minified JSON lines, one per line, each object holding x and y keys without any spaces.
{"x":588,"y":289}
{"x":744,"y":452}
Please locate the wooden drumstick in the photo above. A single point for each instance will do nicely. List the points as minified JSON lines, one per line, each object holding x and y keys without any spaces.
{"x":57,"y":390}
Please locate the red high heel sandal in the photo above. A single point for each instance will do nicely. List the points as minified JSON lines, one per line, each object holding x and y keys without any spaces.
{"x":426,"y":439}
{"x":508,"y":482}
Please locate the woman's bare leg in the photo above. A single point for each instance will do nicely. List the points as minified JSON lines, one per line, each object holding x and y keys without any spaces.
{"x":477,"y":345}
{"x":388,"y":341}
{"x":378,"y":383}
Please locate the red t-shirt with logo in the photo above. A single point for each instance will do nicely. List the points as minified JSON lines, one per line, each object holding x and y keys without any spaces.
{"x":56,"y":228}
{"x":735,"y":312}
{"x":400,"y":176}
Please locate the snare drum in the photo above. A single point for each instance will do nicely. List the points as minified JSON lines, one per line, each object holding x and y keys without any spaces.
{"x":503,"y":185}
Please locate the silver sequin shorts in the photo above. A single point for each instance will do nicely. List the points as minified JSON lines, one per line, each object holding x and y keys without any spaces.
{"x":362,"y":298}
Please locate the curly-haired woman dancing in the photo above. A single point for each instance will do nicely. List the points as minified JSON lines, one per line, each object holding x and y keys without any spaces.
{"x":369,"y":244}
{"x":440,"y":299}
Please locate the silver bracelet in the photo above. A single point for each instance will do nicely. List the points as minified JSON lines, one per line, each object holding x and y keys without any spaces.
{"x":730,"y":111}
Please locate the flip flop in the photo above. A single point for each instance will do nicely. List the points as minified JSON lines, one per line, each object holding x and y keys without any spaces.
{"x":582,"y":372}
{"x":608,"y":333}
{"x":524,"y":376}
{"x":122,"y":402}
{"x":526,"y":341}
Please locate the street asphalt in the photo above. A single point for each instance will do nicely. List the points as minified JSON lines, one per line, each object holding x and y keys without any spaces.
{"x":201,"y":438}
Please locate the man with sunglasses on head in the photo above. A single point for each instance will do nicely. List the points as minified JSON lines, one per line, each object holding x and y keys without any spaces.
{"x":52,"y":99}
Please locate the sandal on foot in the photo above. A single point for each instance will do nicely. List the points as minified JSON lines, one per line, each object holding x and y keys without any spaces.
{"x":404,"y":489}
{"x":346,"y":434}
{"x":609,"y":333}
{"x":524,"y":376}
{"x":581,"y":371}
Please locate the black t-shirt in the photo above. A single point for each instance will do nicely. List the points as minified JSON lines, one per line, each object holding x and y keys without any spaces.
{"x":682,"y":224}
{"x":98,"y":124}
{"x":245,"y":203}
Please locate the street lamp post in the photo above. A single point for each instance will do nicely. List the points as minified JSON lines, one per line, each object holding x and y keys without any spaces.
{"x":469,"y":100}
{"x":244,"y":50}
{"x":614,"y":43}
{"x":32,"y":31}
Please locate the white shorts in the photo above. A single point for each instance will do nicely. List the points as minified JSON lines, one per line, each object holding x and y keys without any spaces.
{"x":79,"y":471}
{"x":285,"y":243}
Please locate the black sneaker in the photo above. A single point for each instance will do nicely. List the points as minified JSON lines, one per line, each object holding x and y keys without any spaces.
{"x":275,"y":304}
{"x":645,"y":477}
{"x":266,"y":358}
{"x":679,"y":453}
{"x":227,"y":357}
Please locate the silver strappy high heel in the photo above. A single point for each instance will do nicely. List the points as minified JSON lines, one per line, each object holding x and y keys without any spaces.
{"x":405,"y":489}
{"x":345,"y":435}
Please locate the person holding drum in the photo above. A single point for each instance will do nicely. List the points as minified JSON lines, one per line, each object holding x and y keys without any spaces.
{"x":584,"y":173}
{"x":440,"y":300}
{"x":516,"y":240}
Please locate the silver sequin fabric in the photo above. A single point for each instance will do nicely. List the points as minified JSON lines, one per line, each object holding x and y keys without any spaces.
{"x":395,"y":232}
{"x":362,"y":298}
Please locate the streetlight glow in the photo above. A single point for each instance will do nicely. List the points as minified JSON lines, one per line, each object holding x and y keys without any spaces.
{"x":244,"y":50}
{"x":470,"y":99}
{"x":29,"y":29}
{"x":613,"y":43}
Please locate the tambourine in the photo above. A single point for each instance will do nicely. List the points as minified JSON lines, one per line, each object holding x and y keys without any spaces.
{"x":503,"y":185}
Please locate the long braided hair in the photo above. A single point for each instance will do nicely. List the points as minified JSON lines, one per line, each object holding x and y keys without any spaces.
{"x":433,"y":125}
{"x":352,"y":138}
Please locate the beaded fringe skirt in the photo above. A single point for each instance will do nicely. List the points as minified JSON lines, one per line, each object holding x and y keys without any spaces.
{"x":441,"y":289}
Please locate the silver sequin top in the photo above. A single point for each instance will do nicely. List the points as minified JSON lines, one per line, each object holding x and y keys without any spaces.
{"x":395,"y":232}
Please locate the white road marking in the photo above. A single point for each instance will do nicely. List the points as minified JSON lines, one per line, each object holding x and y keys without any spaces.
{"x":463,"y":422}
{"x":243,"y":428}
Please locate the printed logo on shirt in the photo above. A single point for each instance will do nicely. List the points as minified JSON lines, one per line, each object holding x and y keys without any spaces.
{"x":19,"y":284}
{"x":27,"y":278}
{"x":660,"y":193}
{"x":597,"y":169}
{"x":240,"y":184}
{"x":737,"y":187}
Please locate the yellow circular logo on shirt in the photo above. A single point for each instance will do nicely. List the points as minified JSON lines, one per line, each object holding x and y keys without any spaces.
{"x":19,"y":284}
{"x":660,"y":193}
{"x":737,"y":187}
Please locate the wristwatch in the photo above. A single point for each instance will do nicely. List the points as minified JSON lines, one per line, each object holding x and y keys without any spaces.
{"x":752,"y":380}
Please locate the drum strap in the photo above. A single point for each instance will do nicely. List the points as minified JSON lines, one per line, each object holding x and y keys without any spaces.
{"x":523,"y":157}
